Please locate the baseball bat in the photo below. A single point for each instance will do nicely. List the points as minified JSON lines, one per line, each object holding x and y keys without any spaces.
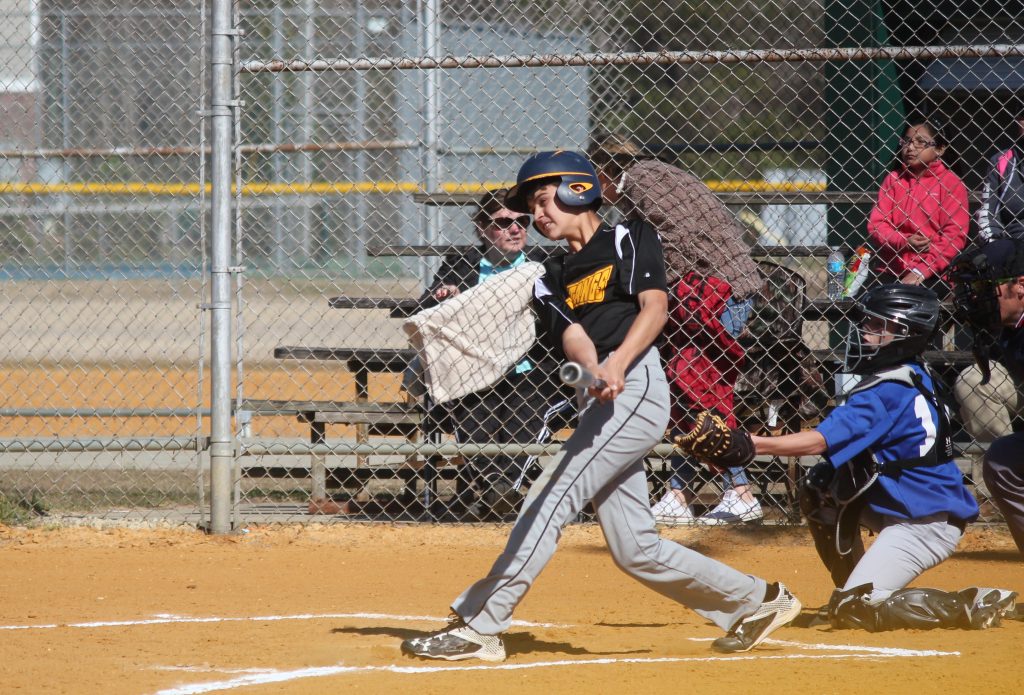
{"x":575,"y":374}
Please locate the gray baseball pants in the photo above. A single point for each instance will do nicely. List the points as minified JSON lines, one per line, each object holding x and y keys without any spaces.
{"x":603,"y":462}
{"x":903,"y":550}
{"x":1003,"y":471}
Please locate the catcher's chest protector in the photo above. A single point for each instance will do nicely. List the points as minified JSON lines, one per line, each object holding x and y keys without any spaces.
{"x":942,"y":448}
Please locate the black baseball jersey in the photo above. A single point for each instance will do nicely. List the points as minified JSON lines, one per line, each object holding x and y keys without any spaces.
{"x":597,"y":286}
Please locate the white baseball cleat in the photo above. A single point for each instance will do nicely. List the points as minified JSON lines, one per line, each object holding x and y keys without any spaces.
{"x":755,"y":628}
{"x":456,"y":642}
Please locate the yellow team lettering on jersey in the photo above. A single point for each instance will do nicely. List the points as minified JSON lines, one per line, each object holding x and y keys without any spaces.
{"x":589,"y":290}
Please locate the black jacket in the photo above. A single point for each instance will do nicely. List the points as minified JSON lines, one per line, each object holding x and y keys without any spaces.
{"x":1002,"y":198}
{"x":463,"y":271}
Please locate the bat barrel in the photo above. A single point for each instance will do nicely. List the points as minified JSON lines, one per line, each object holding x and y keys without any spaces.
{"x":575,"y":374}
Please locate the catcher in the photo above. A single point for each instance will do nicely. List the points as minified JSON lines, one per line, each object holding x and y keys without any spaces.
{"x":888,"y":466}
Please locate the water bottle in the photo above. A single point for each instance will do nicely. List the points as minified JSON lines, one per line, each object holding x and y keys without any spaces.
{"x":835,"y":280}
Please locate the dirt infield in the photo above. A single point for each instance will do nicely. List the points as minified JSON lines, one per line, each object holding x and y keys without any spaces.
{"x":322,"y":609}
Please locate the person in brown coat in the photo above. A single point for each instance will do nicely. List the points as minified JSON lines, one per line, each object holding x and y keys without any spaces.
{"x":702,"y":241}
{"x":698,"y":231}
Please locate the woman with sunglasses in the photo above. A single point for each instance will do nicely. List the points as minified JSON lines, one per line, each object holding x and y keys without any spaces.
{"x":502,"y":235}
{"x":921,"y":219}
{"x":517,"y":409}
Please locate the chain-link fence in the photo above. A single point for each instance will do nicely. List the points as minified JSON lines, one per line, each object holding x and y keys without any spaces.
{"x":101,"y":256}
{"x":360,"y":139}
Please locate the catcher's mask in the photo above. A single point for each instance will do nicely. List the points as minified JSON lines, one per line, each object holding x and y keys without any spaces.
{"x":977,"y":276}
{"x":578,"y":185}
{"x":901,"y":319}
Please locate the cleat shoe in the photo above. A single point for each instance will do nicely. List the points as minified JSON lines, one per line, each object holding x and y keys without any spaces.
{"x":987,"y":607}
{"x":456,"y":642}
{"x":732,"y":510}
{"x":754,"y":629}
{"x":671,"y":512}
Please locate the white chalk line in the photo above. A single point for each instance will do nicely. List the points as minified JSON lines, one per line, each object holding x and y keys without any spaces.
{"x":257,"y":676}
{"x":887,"y":651}
{"x":167,"y":619}
{"x":874,"y":651}
{"x":325,"y":671}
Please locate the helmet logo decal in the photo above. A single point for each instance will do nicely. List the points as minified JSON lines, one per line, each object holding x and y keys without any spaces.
{"x":580,"y":187}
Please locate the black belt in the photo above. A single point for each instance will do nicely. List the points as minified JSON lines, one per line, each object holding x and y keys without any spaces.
{"x":957,"y":523}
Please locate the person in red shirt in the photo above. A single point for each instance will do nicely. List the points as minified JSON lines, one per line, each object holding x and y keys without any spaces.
{"x":703,"y":365}
{"x":921,"y":219}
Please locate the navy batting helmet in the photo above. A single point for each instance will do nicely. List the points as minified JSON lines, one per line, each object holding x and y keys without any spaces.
{"x":578,"y":185}
{"x":911,"y":311}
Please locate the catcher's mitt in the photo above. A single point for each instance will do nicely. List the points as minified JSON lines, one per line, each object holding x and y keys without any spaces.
{"x":711,"y":441}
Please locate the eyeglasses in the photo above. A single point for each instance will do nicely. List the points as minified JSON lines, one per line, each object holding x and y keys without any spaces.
{"x":919,"y":143}
{"x":506,"y":222}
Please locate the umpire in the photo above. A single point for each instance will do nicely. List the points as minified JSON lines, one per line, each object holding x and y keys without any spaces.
{"x":988,"y":292}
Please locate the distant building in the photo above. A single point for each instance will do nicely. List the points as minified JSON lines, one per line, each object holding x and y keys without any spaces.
{"x":19,"y":87}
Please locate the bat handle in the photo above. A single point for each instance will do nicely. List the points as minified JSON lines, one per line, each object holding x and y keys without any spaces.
{"x":575,"y":374}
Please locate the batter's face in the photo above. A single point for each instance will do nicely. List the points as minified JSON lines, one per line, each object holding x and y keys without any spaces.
{"x":506,"y":231}
{"x":551,"y":217}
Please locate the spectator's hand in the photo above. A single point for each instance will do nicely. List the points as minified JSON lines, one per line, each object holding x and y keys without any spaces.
{"x":445,"y":291}
{"x":911,"y":279}
{"x":919,"y":242}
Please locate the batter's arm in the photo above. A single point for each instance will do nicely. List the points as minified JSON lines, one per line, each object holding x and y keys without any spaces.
{"x":578,"y":347}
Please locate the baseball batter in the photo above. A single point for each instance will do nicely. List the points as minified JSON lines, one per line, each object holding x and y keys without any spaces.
{"x":888,"y":467}
{"x":603,"y":304}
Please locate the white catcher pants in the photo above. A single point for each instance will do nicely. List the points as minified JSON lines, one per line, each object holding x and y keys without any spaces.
{"x":903,"y":550}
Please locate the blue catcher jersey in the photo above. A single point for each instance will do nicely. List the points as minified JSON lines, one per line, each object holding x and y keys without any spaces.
{"x":897,"y":422}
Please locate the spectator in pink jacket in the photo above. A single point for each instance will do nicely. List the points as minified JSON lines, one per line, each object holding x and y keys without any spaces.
{"x":921,"y":219}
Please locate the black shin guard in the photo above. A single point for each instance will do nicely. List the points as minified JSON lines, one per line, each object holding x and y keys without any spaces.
{"x":923,"y":609}
{"x":850,"y":610}
{"x":919,"y":609}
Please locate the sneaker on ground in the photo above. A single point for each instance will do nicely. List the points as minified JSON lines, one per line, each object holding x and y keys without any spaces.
{"x":456,"y":642}
{"x":671,"y":512}
{"x":754,"y":629}
{"x":732,"y":510}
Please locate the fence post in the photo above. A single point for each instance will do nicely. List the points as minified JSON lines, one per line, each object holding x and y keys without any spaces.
{"x":222,"y":126}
